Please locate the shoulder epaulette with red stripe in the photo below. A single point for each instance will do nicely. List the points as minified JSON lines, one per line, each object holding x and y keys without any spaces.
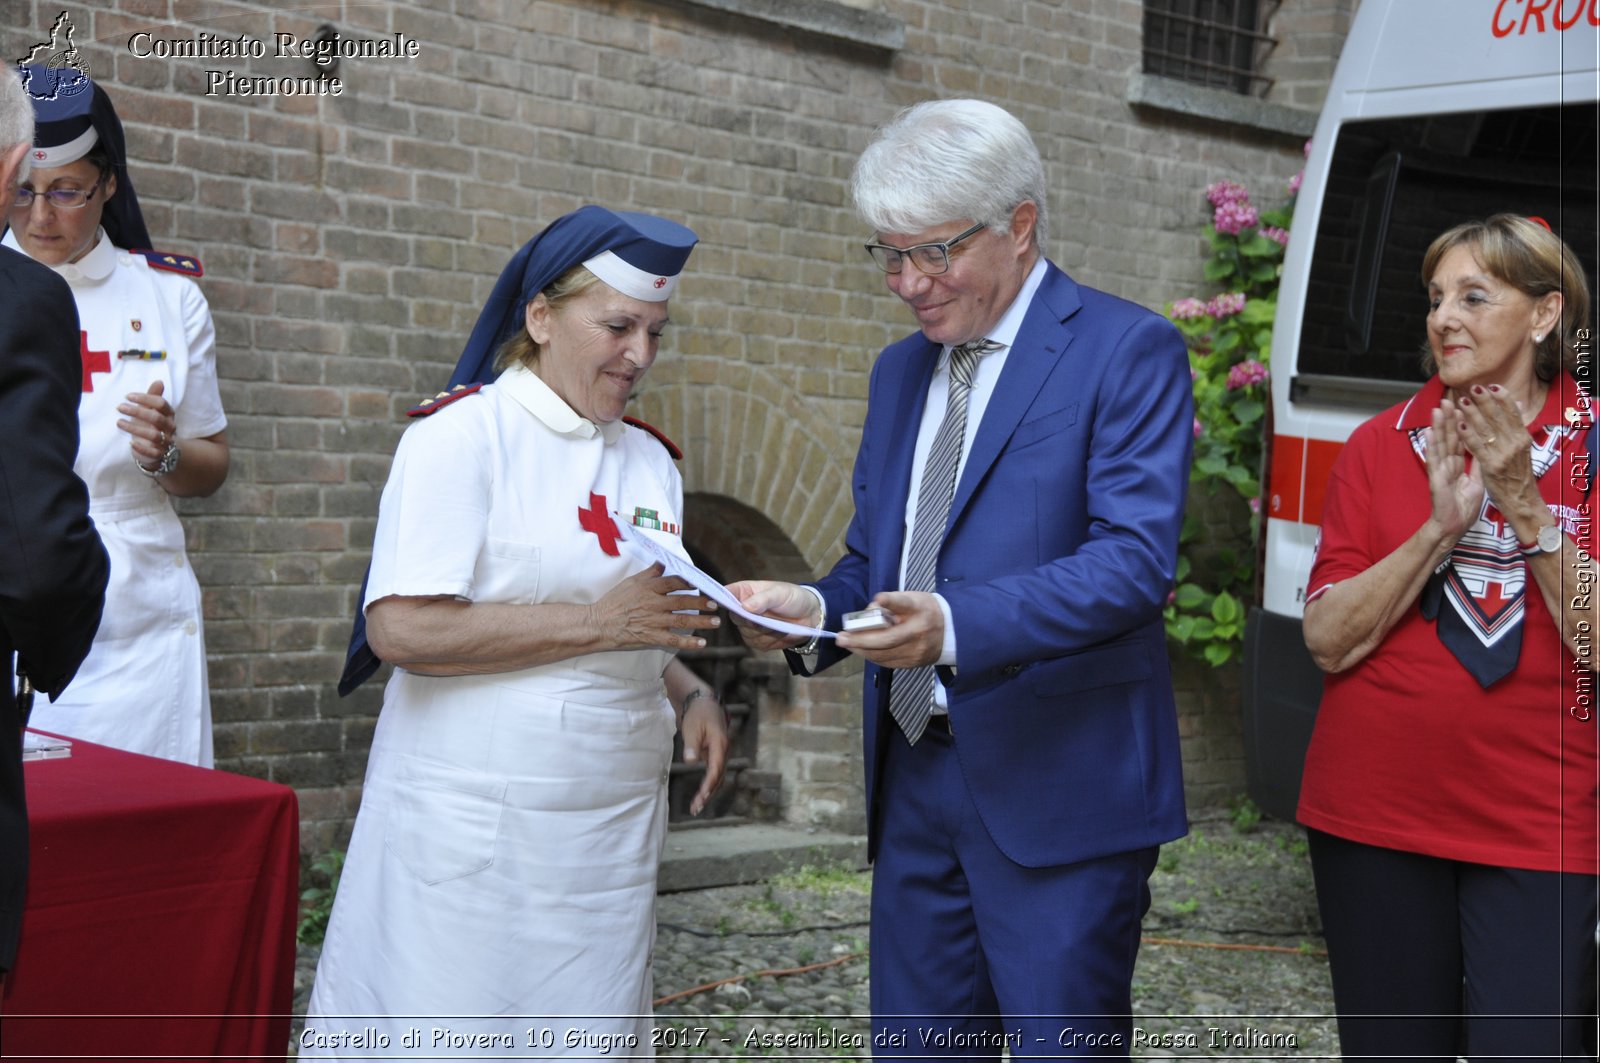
{"x":443,"y":399}
{"x":171,"y":261}
{"x":672,"y":448}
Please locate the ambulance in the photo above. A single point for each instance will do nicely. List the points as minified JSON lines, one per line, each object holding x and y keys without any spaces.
{"x":1440,"y":111}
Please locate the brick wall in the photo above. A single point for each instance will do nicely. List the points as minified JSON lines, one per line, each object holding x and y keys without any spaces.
{"x":1309,"y":37}
{"x":348,"y":242}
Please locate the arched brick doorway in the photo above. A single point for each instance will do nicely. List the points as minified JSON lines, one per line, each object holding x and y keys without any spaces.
{"x":731,"y":541}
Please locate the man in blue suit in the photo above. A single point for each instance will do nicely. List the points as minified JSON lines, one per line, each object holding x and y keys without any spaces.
{"x":1019,"y":491}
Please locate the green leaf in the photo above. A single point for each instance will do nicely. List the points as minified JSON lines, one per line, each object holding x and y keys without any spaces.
{"x":1259,"y":311}
{"x":1259,"y":246}
{"x":1225,"y":608}
{"x":1211,"y":465}
{"x":1218,"y":654}
{"x":1248,"y":411}
{"x":1189,"y":596}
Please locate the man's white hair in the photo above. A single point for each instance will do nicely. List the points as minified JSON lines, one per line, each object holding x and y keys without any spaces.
{"x":949,"y":160}
{"x":16,"y":117}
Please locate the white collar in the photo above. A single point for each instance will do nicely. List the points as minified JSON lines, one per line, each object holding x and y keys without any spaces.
{"x":93,"y":267}
{"x":1005,"y":330}
{"x":537,"y":397}
{"x":1010,"y":323}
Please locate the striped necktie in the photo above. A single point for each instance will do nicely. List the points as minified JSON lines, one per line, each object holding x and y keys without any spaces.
{"x":911,"y":690}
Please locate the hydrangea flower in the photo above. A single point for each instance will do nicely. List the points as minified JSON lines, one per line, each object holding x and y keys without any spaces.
{"x":1294,"y":182}
{"x":1225,"y":305}
{"x":1184,"y":309}
{"x":1234,"y":216}
{"x":1276,"y":235}
{"x":1246,"y":374}
{"x":1224,"y":192}
{"x":1198,"y":428}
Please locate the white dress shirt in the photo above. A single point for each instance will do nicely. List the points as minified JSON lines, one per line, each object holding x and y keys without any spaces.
{"x":984,"y":378}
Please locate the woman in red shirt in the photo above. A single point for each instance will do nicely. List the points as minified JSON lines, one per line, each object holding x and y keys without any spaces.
{"x":1450,"y":786}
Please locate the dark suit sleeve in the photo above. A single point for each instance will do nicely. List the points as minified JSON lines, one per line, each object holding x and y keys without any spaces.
{"x":1134,"y":488}
{"x":52,"y":567}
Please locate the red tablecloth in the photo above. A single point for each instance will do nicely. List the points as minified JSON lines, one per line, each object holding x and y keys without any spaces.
{"x":161,"y":912}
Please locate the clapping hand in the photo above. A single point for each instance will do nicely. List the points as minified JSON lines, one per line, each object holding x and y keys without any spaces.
{"x":1456,"y":491}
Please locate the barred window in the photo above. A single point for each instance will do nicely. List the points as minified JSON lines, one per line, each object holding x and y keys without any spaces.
{"x":1219,"y":43}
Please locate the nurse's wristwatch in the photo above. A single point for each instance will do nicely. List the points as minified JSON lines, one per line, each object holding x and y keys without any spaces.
{"x":688,"y":699}
{"x":1548,"y":541}
{"x":168,"y":462}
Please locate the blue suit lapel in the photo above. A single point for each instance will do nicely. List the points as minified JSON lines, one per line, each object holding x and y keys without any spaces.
{"x":898,"y":449}
{"x":1040,"y":344}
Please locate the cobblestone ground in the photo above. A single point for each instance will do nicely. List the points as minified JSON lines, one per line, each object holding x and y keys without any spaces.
{"x":1231,"y":966}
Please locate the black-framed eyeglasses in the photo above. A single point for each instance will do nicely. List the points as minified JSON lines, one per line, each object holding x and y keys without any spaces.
{"x":60,"y":198}
{"x":932,"y":259}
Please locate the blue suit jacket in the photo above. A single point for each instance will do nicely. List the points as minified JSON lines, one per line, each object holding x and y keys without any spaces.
{"x":1057,"y":561}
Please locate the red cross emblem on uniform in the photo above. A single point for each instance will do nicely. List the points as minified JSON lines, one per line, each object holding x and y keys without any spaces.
{"x":39,"y":155}
{"x":661,"y":282}
{"x":597,"y":519}
{"x":93,"y":361}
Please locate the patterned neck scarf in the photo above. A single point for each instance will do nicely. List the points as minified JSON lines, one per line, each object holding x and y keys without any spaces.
{"x":1477,"y":594}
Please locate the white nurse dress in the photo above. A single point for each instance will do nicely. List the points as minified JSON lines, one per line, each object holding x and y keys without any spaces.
{"x":500,"y":882}
{"x":143,"y":686}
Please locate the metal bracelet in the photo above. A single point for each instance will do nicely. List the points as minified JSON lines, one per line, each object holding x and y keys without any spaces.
{"x":168,"y":462}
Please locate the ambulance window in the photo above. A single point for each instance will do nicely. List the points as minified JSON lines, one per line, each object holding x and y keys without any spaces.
{"x":1395,"y":184}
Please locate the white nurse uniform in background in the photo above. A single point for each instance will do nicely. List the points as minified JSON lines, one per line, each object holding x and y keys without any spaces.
{"x":143,"y":687}
{"x":504,"y":859}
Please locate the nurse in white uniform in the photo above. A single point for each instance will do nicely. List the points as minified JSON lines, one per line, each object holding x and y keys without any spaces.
{"x":151,"y":423}
{"x":498,"y":893}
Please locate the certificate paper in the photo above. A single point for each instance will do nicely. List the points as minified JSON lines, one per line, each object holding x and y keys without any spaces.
{"x":639,"y":543}
{"x":36,"y":746}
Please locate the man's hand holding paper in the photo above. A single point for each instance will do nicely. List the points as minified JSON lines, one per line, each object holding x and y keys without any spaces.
{"x":764,"y":601}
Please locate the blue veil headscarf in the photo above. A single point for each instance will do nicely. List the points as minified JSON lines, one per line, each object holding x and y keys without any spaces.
{"x":639,"y":255}
{"x":71,"y":115}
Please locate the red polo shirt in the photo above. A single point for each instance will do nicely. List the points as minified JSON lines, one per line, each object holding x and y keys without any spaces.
{"x":1409,"y":752}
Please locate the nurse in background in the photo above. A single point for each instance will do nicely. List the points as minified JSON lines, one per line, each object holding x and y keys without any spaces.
{"x":150,"y":419}
{"x":502,"y":871}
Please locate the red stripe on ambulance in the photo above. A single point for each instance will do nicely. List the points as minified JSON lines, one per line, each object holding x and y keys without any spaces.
{"x":1299,"y":477}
